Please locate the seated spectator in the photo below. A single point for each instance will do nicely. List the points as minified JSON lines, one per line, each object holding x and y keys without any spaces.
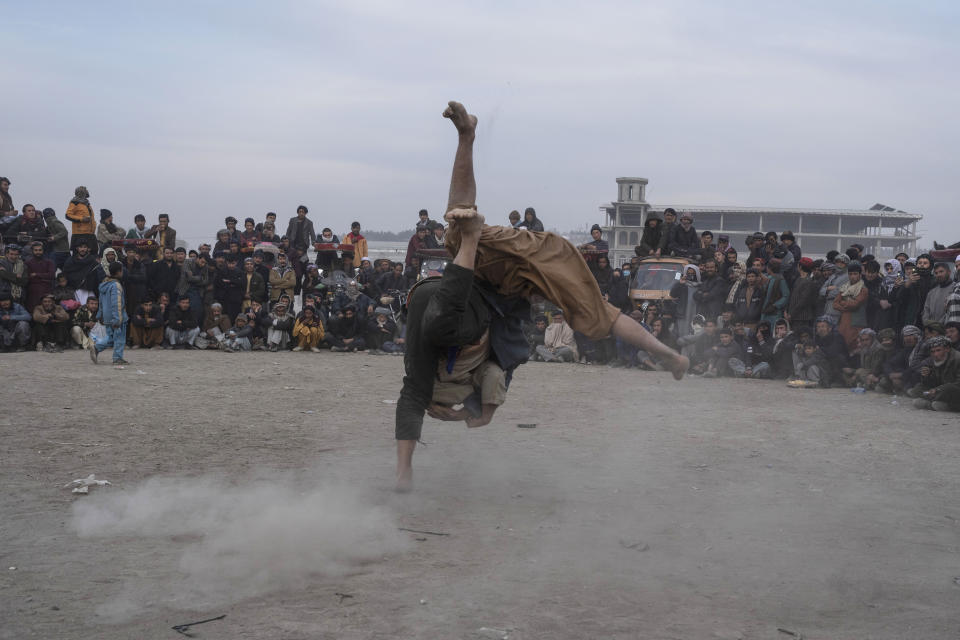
{"x":597,"y":246}
{"x":85,"y":319}
{"x":652,"y":234}
{"x":352,"y":296}
{"x":13,"y":274}
{"x":398,"y":344}
{"x":952,"y":332}
{"x":380,"y":329}
{"x":939,"y":386}
{"x":258,"y":318}
{"x":831,"y":345}
{"x":784,"y":344}
{"x":51,"y":325}
{"x":14,"y":324}
{"x":107,"y":232}
{"x":214,"y":328}
{"x":534,"y":331}
{"x":559,"y":344}
{"x":721,"y":356}
{"x":757,"y":354}
{"x":530,"y":220}
{"x":345,"y":332}
{"x":146,"y":325}
{"x":866,"y":362}
{"x":810,"y":363}
{"x":280,"y":325}
{"x":308,"y":331}
{"x":222,"y":246}
{"x":891,"y":356}
{"x":699,"y":346}
{"x":327,"y":257}
{"x":237,"y":337}
{"x":182,"y":329}
{"x":62,"y":291}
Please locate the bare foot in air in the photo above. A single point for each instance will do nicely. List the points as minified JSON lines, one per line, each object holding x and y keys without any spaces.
{"x":465,"y":123}
{"x":467,"y":220}
{"x":679,"y":366}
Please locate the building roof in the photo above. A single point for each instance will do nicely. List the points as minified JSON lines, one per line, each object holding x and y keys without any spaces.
{"x":886,"y":212}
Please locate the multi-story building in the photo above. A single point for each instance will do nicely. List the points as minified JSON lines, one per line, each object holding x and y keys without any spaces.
{"x":883,"y":230}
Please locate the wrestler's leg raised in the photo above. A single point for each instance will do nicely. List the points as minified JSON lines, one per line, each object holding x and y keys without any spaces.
{"x":461,"y":207}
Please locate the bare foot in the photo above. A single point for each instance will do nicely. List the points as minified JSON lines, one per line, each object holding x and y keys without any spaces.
{"x":469,"y":221}
{"x":679,"y":366}
{"x":465,"y":123}
{"x":404,"y":481}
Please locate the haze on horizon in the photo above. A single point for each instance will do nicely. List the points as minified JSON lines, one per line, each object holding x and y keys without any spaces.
{"x":204,"y":109}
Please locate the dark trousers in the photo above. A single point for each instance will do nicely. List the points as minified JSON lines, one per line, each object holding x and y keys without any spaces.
{"x":55,"y":332}
{"x":442,"y":315}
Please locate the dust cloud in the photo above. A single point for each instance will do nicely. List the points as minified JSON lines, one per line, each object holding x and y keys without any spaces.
{"x":235,"y":541}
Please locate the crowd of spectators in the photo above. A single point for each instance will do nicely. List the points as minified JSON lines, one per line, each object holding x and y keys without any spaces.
{"x":767,"y":311}
{"x":251,"y":289}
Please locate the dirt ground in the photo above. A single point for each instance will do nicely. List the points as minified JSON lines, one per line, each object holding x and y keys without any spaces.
{"x":259,"y":486}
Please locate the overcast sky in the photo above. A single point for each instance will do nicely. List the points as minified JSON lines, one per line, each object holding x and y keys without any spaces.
{"x":207,"y":109}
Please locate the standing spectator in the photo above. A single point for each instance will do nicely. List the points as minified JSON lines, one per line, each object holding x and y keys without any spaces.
{"x":136,"y":284}
{"x":889,"y":295}
{"x":58,"y":244}
{"x":913,"y":294}
{"x":435,"y":237}
{"x":182,"y":329}
{"x":165,"y":234}
{"x":6,"y":201}
{"x":100,"y":272}
{"x":802,"y":306}
{"x":113,"y":315}
{"x":748,"y":304}
{"x":851,"y":302}
{"x":13,"y":274}
{"x":302,"y":236}
{"x":777,"y":294}
{"x":254,"y":288}
{"x":107,"y":231}
{"x":836,"y":278}
{"x":139,"y":229}
{"x":423,"y":217}
{"x":228,"y":287}
{"x":51,"y":324}
{"x":418,"y":242}
{"x":194,"y":280}
{"x":327,"y":257}
{"x":935,"y":304}
{"x":233,"y":234}
{"x":40,"y":273}
{"x":14,"y":324}
{"x":163,"y":275}
{"x":80,"y":213}
{"x":712,"y":292}
{"x":270,"y":220}
{"x":249,"y":236}
{"x":530,"y":220}
{"x":79,"y":270}
{"x":357,"y":240}
{"x":84,"y":319}
{"x":597,"y":245}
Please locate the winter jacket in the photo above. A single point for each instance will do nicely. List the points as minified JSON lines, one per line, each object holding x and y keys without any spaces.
{"x":180,"y":320}
{"x":301,"y":233}
{"x":163,"y":277}
{"x":749,"y":310}
{"x":16,"y":314}
{"x":79,"y":271}
{"x":60,"y":241}
{"x":650,"y":240}
{"x":802,"y":305}
{"x":683,"y":242}
{"x":113,"y":306}
{"x":282,"y":281}
{"x":57,"y":314}
{"x":710,"y":296}
{"x":935,"y":304}
{"x":76,"y":211}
